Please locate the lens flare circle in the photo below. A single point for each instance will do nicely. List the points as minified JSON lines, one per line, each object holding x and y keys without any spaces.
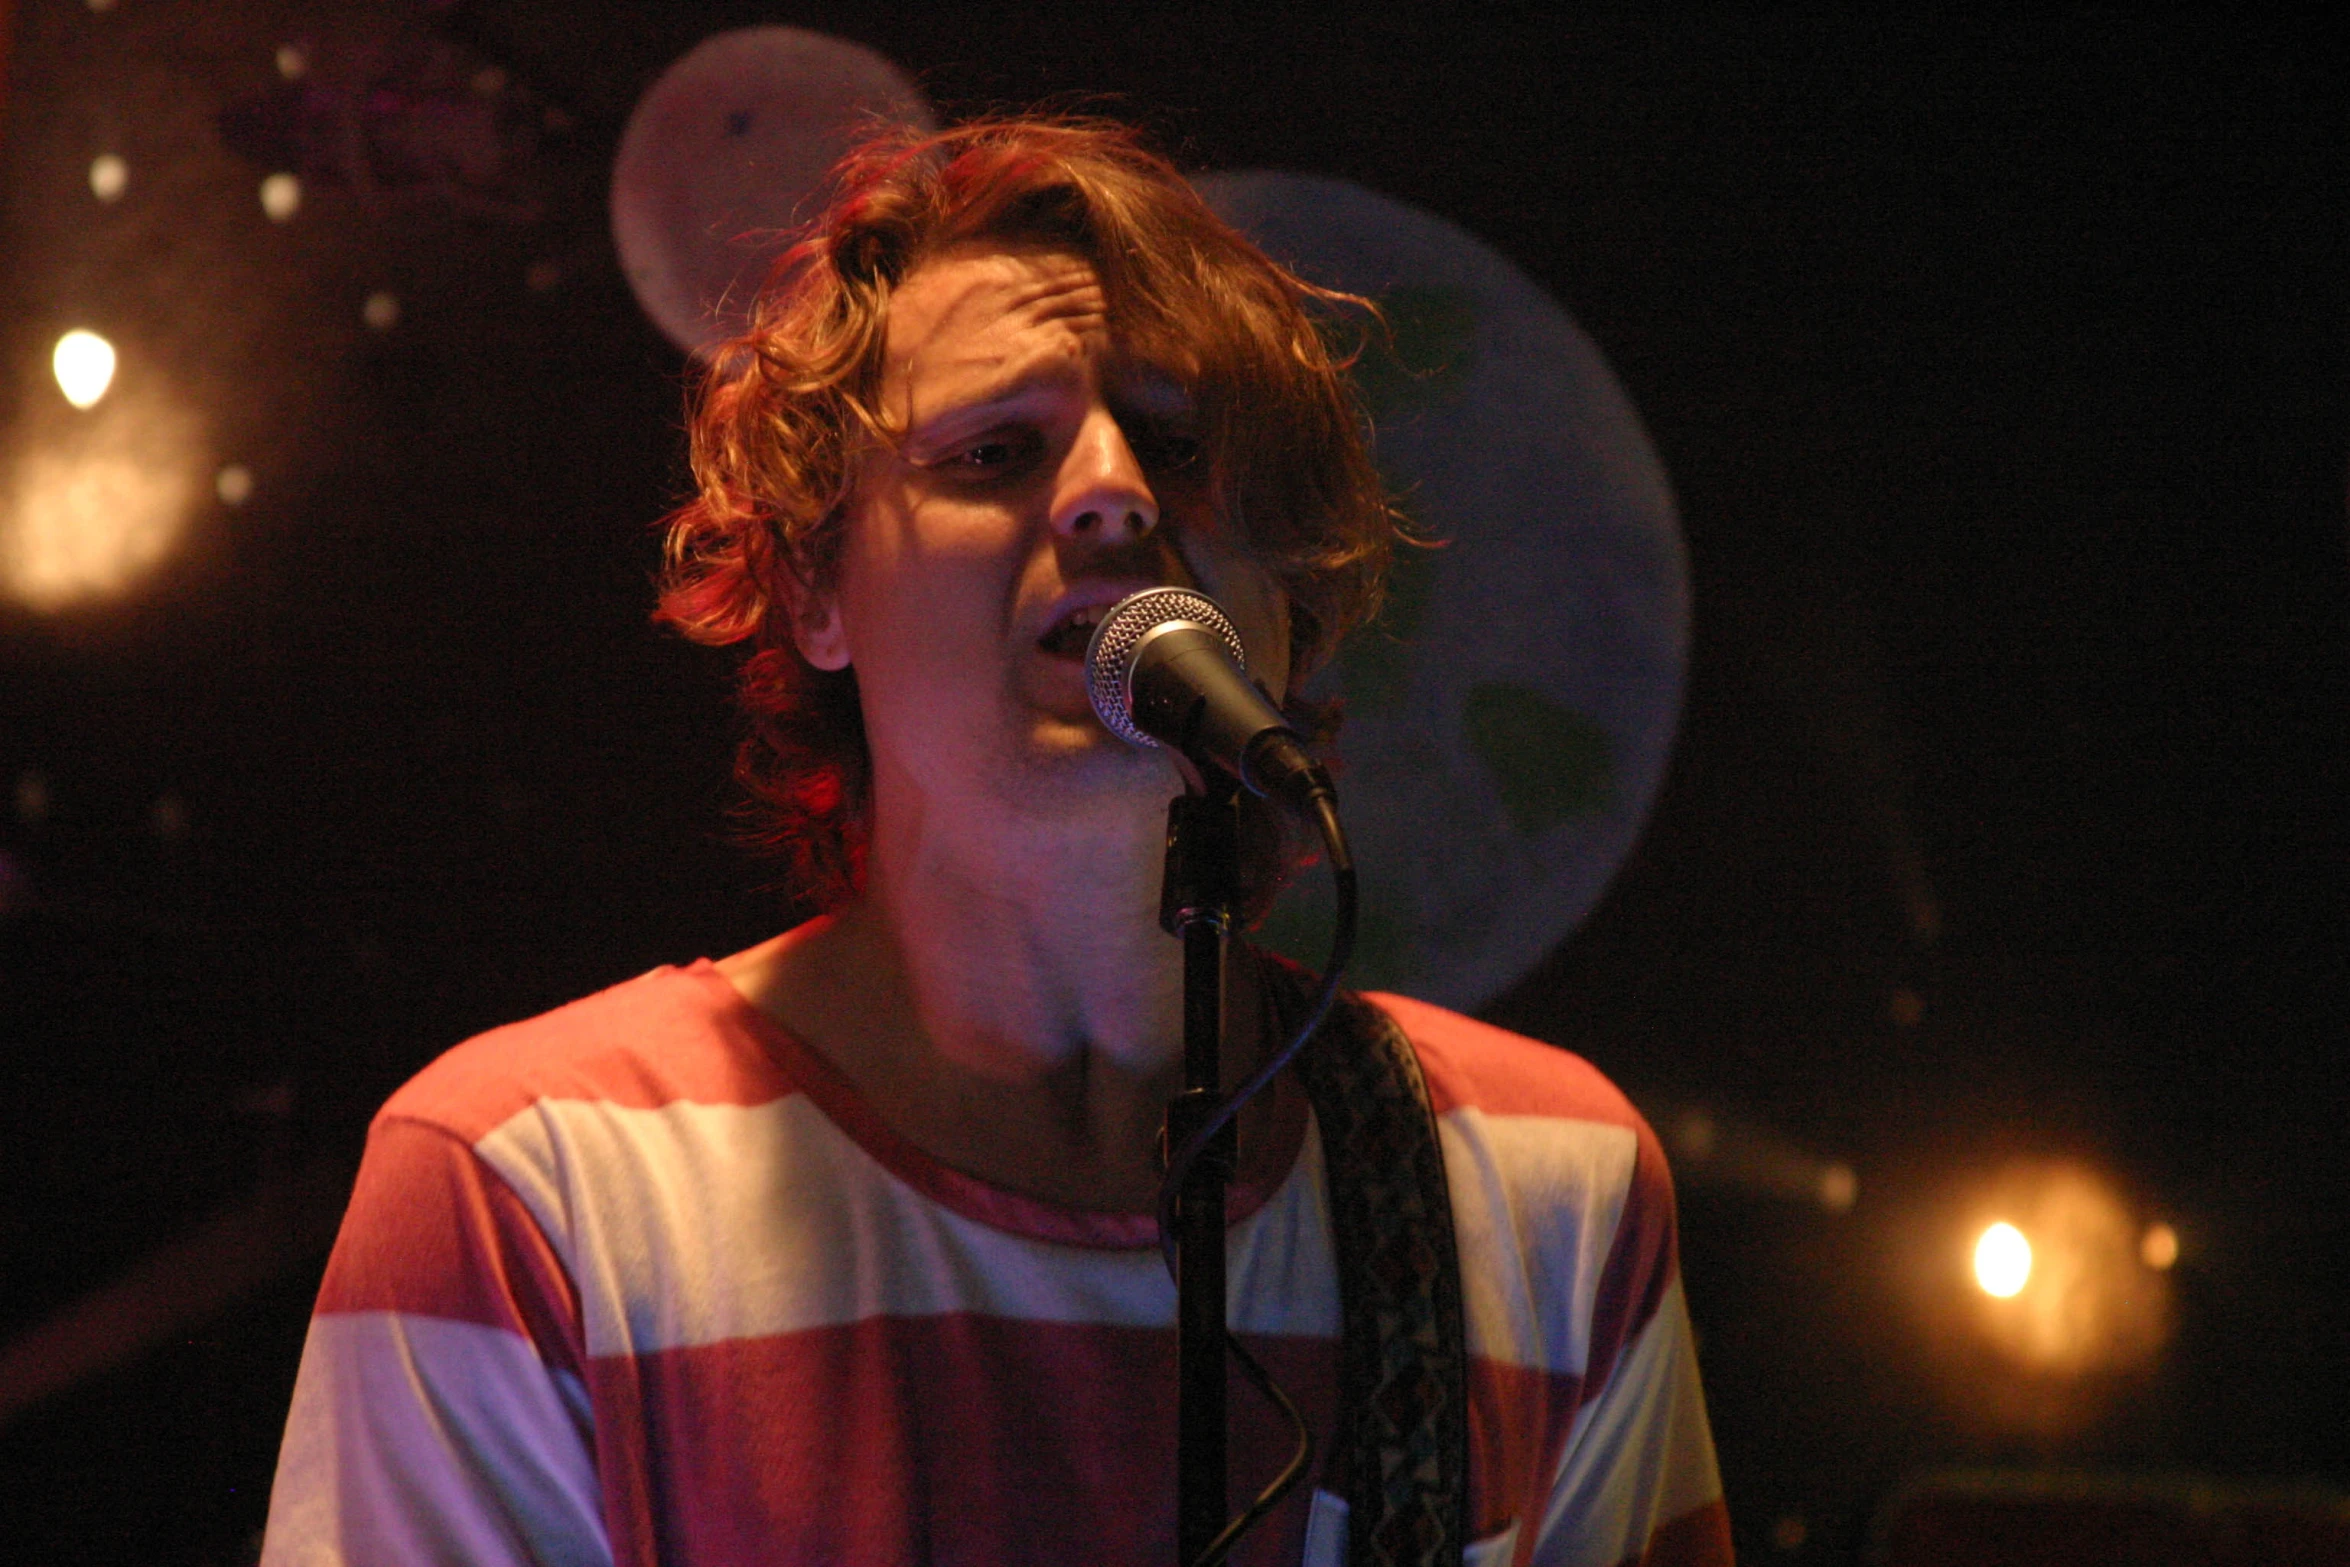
{"x":92,"y":503}
{"x":2003,"y":1261}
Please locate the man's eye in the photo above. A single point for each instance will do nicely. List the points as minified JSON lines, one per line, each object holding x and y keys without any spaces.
{"x":1166,"y":453}
{"x":995,"y":454}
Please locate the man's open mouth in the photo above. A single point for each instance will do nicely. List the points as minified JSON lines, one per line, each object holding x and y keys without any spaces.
{"x":1069,"y":634}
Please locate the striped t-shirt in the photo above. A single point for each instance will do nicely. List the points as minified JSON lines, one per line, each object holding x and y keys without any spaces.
{"x":643,"y":1280}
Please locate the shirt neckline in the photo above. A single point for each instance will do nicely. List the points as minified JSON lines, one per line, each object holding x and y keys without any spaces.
{"x":813,"y":1074}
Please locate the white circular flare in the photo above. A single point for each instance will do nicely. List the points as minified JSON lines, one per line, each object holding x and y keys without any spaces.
{"x":84,"y":365}
{"x":382,"y":311}
{"x":727,"y":153}
{"x":233,"y":484}
{"x":108,"y":176}
{"x":2003,"y":1261}
{"x":281,"y":197}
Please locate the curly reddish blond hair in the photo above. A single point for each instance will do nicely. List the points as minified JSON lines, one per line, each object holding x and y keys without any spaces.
{"x":787,"y":411}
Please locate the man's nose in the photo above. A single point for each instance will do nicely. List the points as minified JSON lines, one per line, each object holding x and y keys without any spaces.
{"x":1103,"y":496}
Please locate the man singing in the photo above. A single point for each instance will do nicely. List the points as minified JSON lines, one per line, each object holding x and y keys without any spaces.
{"x":840,"y":1250}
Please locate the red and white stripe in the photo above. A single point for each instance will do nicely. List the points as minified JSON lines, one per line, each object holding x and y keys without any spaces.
{"x":642,"y":1280}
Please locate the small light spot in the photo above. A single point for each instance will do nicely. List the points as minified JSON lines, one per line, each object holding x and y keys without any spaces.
{"x":542,"y":276}
{"x":108,"y":175}
{"x":488,"y":82}
{"x":293,"y":62}
{"x":84,"y":365}
{"x":382,"y":310}
{"x":32,"y":798}
{"x":168,"y":818}
{"x":1695,"y":1135}
{"x":1789,"y":1532}
{"x":233,"y":484}
{"x":1906,"y":1007}
{"x":2003,"y":1261}
{"x":2158,"y":1248}
{"x":1839,"y":1188}
{"x":281,"y":197}
{"x":101,"y":5}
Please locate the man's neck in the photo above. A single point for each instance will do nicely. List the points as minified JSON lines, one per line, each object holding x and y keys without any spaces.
{"x":1016,"y":1016}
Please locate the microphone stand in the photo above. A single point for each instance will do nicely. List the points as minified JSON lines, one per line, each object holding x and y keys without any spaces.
{"x":1196,"y":902}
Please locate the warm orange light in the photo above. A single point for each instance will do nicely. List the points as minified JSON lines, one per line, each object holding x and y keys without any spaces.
{"x":92,"y":502}
{"x":2158,"y":1248}
{"x":2003,"y":1261}
{"x":83,"y":363}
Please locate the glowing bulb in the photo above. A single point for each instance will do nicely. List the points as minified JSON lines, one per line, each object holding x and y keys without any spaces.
{"x":84,"y":363}
{"x":2158,"y":1248}
{"x":381,"y":311}
{"x":2003,"y":1260}
{"x":108,"y":175}
{"x":281,"y":197}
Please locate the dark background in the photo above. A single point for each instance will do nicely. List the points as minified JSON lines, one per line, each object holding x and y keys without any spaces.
{"x":1998,"y":366}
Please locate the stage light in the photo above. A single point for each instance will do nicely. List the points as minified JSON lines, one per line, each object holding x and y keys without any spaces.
{"x":281,"y":197}
{"x":2044,"y":1264}
{"x":381,"y":312}
{"x":84,"y":366}
{"x":233,"y":484}
{"x":108,"y":175}
{"x":2003,"y":1261}
{"x":2158,"y":1248}
{"x":292,"y":62}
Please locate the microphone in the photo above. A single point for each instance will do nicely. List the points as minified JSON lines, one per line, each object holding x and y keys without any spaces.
{"x":1165,"y":668}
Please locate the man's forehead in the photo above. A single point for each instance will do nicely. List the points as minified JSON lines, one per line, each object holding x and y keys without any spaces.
{"x":977,"y":287}
{"x":967,"y":302}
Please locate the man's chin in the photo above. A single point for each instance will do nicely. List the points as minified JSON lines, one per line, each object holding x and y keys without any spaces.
{"x":1083,"y":752}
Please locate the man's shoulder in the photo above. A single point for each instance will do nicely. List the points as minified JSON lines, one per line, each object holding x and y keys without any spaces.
{"x":1557,"y":1182}
{"x":668,"y":1035}
{"x":1475,"y":1066}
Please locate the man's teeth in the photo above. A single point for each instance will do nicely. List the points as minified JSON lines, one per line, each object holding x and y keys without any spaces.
{"x":1073,"y":629}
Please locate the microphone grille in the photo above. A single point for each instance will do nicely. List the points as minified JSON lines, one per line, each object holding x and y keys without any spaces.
{"x":1109,"y":655}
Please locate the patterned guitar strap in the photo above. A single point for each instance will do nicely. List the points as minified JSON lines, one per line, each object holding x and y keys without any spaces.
{"x":1402,"y":1455}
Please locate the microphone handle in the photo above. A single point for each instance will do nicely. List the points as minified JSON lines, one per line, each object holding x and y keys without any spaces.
{"x":1186,"y":692}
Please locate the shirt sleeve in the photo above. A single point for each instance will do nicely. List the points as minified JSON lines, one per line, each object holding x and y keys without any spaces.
{"x":440,"y":1414}
{"x":1638,"y":1481}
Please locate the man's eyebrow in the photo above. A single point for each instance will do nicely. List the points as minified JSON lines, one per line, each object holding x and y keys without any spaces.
{"x":1025,"y":392}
